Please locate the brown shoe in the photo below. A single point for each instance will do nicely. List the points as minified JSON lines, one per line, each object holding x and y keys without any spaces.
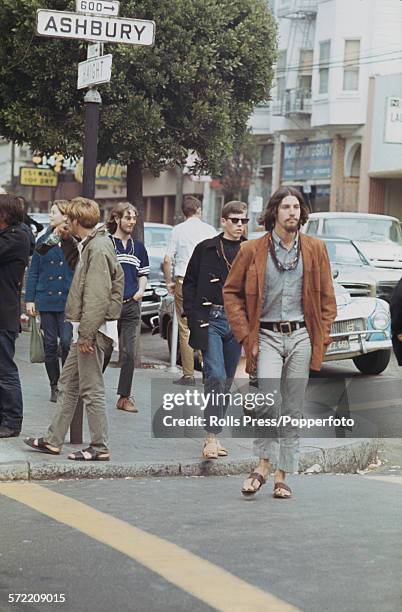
{"x":127,"y":404}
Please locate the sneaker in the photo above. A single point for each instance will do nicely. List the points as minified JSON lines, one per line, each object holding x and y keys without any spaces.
{"x":127,"y":404}
{"x":186,"y":381}
{"x":7,"y":432}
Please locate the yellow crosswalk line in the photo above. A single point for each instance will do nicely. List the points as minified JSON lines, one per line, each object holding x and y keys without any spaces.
{"x":202,"y":579}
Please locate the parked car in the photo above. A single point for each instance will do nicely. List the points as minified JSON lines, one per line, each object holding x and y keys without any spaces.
{"x":361,"y":331}
{"x":42,"y":218}
{"x":156,"y":238}
{"x":354,"y":272}
{"x":379,"y":237}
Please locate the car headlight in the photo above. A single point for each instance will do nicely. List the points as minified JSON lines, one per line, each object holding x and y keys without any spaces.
{"x":160,"y":292}
{"x":380,"y":319}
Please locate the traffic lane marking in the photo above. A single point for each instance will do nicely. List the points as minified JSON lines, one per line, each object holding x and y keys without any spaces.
{"x":198,"y":577}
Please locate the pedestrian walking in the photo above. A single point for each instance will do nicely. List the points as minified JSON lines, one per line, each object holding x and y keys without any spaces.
{"x":210,"y":332}
{"x":14,"y":255}
{"x":280,"y":303}
{"x":133,"y":257}
{"x":396,"y":321}
{"x":48,"y":283}
{"x":93,"y":307}
{"x":185,"y":236}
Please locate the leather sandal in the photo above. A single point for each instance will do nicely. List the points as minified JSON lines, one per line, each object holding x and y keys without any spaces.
{"x":284,"y":487}
{"x":90,"y":454}
{"x":254,"y":476}
{"x":222,"y":451}
{"x":40,"y":445}
{"x":210,"y":450}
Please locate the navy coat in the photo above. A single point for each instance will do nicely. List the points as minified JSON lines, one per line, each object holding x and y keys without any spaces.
{"x":49,"y":279}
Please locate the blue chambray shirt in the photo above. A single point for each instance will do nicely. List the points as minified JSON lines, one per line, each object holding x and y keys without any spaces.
{"x":283,"y":290}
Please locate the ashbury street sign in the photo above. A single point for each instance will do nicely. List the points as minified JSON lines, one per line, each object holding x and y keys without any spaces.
{"x":94,"y":71}
{"x":60,"y":24}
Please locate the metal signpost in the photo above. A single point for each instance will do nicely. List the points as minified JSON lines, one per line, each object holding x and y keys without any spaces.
{"x":95,"y":21}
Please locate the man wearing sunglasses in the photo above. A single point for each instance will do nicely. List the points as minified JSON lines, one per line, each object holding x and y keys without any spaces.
{"x":280,"y":303}
{"x":206,"y":274}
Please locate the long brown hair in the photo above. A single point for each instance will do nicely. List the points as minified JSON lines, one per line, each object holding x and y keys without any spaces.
{"x":268,"y":217}
{"x":117,"y":212}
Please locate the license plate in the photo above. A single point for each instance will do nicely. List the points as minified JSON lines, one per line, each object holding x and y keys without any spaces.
{"x":339,"y":345}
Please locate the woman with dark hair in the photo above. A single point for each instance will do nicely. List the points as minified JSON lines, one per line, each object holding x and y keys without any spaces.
{"x":14,"y":254}
{"x":48,"y":283}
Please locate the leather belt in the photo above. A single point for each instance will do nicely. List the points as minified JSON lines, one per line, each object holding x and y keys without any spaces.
{"x":283,"y":327}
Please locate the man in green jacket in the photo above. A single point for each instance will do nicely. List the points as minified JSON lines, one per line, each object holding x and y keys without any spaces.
{"x":93,"y":307}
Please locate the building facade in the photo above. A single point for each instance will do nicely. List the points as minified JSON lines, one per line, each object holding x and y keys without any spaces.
{"x":339,"y":66}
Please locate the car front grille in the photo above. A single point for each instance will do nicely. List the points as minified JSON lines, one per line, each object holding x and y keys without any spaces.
{"x":358,"y":289}
{"x":348,"y":326}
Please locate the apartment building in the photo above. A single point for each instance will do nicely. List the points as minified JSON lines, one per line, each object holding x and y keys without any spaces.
{"x":333,"y":124}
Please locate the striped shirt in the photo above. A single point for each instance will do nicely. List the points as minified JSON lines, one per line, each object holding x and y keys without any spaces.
{"x":134,"y":261}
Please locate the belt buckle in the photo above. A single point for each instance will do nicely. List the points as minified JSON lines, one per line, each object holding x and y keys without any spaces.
{"x":283,"y":324}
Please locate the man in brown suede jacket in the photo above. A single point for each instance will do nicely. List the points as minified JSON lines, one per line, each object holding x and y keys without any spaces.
{"x":280,"y":303}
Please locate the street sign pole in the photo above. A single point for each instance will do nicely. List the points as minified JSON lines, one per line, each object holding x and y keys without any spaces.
{"x":92,"y":102}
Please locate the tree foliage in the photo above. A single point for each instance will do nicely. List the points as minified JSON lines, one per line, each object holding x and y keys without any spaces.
{"x":194,"y":90}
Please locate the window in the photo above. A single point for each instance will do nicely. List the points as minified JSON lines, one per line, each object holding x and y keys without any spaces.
{"x":351,"y":65}
{"x":305,"y":69}
{"x":281,"y":74}
{"x":323,"y":70}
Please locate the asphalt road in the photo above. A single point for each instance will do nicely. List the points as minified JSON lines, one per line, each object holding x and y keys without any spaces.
{"x":194,"y":544}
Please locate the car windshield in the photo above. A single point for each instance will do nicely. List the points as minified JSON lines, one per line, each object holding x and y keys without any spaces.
{"x":372,"y":230}
{"x":345,"y":253}
{"x":156,"y":236}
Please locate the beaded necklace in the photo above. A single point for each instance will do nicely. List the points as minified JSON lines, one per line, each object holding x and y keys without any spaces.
{"x":292,"y":264}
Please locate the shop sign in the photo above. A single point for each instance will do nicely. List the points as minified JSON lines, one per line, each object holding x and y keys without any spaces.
{"x":393,"y":120}
{"x":106,"y":174}
{"x":304,"y":161}
{"x":38,"y":177}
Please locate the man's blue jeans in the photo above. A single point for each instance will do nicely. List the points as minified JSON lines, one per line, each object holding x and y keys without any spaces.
{"x":10,"y":386}
{"x":219,"y":364}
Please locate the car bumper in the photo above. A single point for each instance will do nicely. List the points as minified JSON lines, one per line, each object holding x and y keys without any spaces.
{"x":357,"y":346}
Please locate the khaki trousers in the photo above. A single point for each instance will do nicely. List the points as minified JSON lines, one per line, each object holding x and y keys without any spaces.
{"x":187,"y":353}
{"x":82,"y":376}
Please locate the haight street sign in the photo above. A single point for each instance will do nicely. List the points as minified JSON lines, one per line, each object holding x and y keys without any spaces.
{"x":60,"y":24}
{"x":94,"y":71}
{"x":110,"y":8}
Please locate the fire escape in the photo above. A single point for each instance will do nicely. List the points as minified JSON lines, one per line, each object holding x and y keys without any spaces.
{"x":294,"y":67}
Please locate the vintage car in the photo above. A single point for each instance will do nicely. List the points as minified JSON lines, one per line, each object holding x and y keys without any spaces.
{"x":379,"y":237}
{"x":361,"y":331}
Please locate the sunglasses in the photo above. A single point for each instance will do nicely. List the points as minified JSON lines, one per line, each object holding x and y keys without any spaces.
{"x":235,"y":220}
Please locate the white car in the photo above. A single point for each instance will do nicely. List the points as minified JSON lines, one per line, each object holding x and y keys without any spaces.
{"x":361,"y":331}
{"x":379,"y":237}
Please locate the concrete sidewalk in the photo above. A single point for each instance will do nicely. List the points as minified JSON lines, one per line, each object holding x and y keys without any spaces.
{"x":135,"y":452}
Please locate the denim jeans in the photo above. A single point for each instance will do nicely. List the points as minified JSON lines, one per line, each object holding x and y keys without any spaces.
{"x":219,"y":364}
{"x":54,"y":327}
{"x":10,"y":386}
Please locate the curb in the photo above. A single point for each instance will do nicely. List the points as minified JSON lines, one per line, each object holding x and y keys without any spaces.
{"x":347,"y":459}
